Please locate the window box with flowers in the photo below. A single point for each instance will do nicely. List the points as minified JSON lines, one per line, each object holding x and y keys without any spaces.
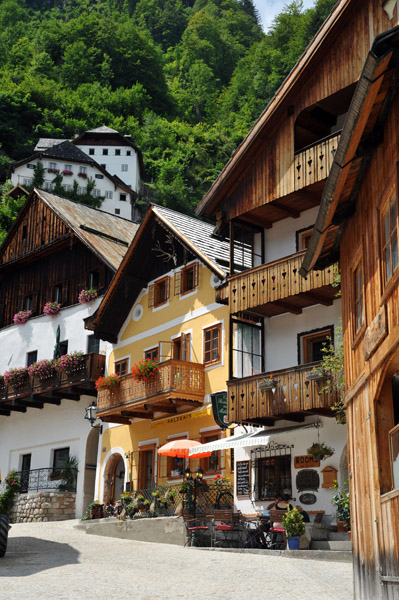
{"x":67,"y":172}
{"x":221,"y":480}
{"x":51,"y":308}
{"x":53,"y":170}
{"x":107,"y":383}
{"x":22,"y":316}
{"x":17,"y":378}
{"x":269,"y":383}
{"x":145,"y":370}
{"x":43,"y":369}
{"x":83,"y":175}
{"x":87,"y":295}
{"x":71,"y":363}
{"x":320,"y":450}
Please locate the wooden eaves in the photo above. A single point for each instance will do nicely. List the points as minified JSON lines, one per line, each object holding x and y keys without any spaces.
{"x":380,"y":63}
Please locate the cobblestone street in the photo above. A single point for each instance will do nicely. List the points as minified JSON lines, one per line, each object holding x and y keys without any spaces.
{"x":54,"y":560}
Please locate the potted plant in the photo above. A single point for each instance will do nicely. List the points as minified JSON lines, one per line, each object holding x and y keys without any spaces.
{"x":221,"y":480}
{"x":51,"y":308}
{"x":320,"y":450}
{"x":316,"y":374}
{"x":71,"y":363}
{"x":341,"y":500}
{"x":145,"y":370}
{"x":268,"y":383}
{"x":67,"y":172}
{"x":294,"y":526}
{"x":107,"y":383}
{"x":69,"y":474}
{"x":21,"y":317}
{"x":87,"y":295}
{"x":12,"y":485}
{"x":17,"y":378}
{"x":44,"y":369}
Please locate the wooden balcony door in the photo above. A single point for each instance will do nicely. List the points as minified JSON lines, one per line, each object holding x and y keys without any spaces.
{"x":146,"y":467}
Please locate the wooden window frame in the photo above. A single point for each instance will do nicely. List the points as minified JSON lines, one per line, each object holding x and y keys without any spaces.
{"x":182,"y":277}
{"x":218,"y":359}
{"x":303,"y":353}
{"x":181,"y":344}
{"x":118,"y":367}
{"x":31,"y":357}
{"x":306,"y":232}
{"x":357,"y":263}
{"x":154,"y":296}
{"x":152,"y":353}
{"x":389,"y":197}
{"x":215,"y":434}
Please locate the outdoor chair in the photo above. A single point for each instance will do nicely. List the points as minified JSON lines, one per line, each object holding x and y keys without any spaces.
{"x":196,"y":528}
{"x":278,"y":540}
{"x":226,"y":529}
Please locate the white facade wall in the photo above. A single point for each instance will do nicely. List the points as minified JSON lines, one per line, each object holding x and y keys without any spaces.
{"x":24,"y":174}
{"x":113,"y":163}
{"x":331,"y":433}
{"x":281,"y":333}
{"x":280,"y":240}
{"x":40,"y":431}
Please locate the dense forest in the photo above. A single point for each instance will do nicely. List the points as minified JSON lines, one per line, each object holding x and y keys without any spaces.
{"x":185,"y":78}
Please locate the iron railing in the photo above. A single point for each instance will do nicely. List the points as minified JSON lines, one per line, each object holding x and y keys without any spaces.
{"x":56,"y":480}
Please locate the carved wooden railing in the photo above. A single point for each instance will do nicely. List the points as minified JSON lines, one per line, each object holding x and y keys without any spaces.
{"x":314,"y":163}
{"x":92,"y":369}
{"x":273,"y":282}
{"x":293,"y":393}
{"x":174,"y":379}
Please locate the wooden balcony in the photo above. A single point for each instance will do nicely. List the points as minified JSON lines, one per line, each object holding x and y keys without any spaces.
{"x":313,"y":164}
{"x":293,"y":398}
{"x":277,"y":287}
{"x":35,"y":392}
{"x":177,"y":387}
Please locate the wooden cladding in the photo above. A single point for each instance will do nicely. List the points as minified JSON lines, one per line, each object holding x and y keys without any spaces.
{"x":38,"y":228}
{"x":293,"y":394}
{"x":312,"y":164}
{"x":174,"y":380}
{"x":274,"y":282}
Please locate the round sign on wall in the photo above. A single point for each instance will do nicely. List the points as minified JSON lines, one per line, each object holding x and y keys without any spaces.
{"x":307,"y":498}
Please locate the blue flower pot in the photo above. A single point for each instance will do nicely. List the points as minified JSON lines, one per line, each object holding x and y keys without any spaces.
{"x":293,"y":543}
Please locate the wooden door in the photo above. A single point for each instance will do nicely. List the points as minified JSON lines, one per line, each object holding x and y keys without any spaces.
{"x":146,"y":467}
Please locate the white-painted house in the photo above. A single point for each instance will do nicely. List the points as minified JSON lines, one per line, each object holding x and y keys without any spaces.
{"x":55,"y":249}
{"x":102,"y":155}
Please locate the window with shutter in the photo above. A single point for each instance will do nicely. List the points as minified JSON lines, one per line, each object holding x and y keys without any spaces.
{"x":212,"y":344}
{"x":188,"y":279}
{"x":151,"y":295}
{"x":161,"y":292}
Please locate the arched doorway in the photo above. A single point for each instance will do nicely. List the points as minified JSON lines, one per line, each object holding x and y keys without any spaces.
{"x":114,"y":478}
{"x":343,"y":466}
{"x":89,"y":471}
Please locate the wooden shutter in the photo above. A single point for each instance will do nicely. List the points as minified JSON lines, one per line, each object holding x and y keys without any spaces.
{"x":196,"y":275}
{"x":167,"y":288}
{"x":162,"y":466}
{"x":185,"y":351}
{"x":178,"y":283}
{"x":151,"y":296}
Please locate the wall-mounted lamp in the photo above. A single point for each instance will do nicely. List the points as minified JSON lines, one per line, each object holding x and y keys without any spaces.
{"x":91,"y":415}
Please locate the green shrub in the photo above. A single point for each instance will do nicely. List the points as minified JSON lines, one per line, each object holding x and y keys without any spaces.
{"x":293,"y":523}
{"x":7,"y":497}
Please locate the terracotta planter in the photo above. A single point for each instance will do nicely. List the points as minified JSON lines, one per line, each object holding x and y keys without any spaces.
{"x":341,"y":526}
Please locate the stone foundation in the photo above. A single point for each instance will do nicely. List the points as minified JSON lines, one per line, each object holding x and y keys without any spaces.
{"x":44,"y":506}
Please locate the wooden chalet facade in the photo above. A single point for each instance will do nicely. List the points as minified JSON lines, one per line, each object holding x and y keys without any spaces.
{"x":329,"y":140}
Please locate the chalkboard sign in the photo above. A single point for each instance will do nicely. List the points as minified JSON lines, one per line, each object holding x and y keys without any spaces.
{"x":243,"y":478}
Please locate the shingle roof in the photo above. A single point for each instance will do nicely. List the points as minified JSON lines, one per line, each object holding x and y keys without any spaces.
{"x":45,"y":143}
{"x":67,"y":151}
{"x":107,"y":235}
{"x":200,"y":234}
{"x":102,"y":129}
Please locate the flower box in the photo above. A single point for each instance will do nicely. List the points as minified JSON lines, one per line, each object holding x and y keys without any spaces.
{"x":71,"y":363}
{"x":83,"y":175}
{"x":51,"y":170}
{"x":267,"y":384}
{"x":67,"y":172}
{"x":22,"y":316}
{"x":51,"y":308}
{"x":106,"y":383}
{"x":17,"y":378}
{"x":316,"y":375}
{"x":145,"y":370}
{"x":43,"y":370}
{"x":87,"y":295}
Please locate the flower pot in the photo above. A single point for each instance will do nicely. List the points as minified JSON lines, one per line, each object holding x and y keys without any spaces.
{"x":269,"y":384}
{"x":3,"y":534}
{"x":341,"y":526}
{"x":315,"y":375}
{"x":293,"y":542}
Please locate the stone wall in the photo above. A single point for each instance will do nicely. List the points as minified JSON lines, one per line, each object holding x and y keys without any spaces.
{"x":44,"y":506}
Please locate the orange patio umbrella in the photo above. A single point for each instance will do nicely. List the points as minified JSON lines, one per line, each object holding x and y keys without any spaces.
{"x":180,"y":448}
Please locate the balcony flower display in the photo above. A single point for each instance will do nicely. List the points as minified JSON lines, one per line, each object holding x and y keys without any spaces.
{"x":268,"y":383}
{"x":221,"y":480}
{"x":52,"y":170}
{"x":17,"y":378}
{"x":320,"y":451}
{"x":44,"y":369}
{"x":21,"y":317}
{"x":51,"y":308}
{"x":67,"y":173}
{"x":71,"y":363}
{"x":83,"y":175}
{"x":87,"y":295}
{"x":145,"y":370}
{"x":107,"y":383}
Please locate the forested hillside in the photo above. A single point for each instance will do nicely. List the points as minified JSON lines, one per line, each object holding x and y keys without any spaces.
{"x":185,"y":78}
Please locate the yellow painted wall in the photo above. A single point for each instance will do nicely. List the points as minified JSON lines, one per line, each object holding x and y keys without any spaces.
{"x":182,"y":314}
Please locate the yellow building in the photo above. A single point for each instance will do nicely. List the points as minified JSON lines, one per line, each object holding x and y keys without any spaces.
{"x":161,"y":306}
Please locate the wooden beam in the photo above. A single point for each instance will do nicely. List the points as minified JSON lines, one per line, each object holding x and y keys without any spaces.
{"x":29,"y":404}
{"x":295,"y":310}
{"x":5,"y":413}
{"x":161,"y":408}
{"x":292,"y":417}
{"x":184,"y":401}
{"x":16,"y":408}
{"x":315,"y":200}
{"x":46,"y":399}
{"x":134,"y":414}
{"x":115,"y":419}
{"x":86,"y":391}
{"x":289,"y":212}
{"x":317,"y":298}
{"x":66,"y":395}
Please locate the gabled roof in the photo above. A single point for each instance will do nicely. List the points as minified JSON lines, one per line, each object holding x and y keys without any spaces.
{"x":141,"y":263}
{"x":67,"y":151}
{"x":45,"y":143}
{"x":254,"y":141}
{"x":102,"y":129}
{"x":107,"y":236}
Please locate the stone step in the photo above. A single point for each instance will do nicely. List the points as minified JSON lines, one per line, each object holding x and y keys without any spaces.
{"x":330,"y":545}
{"x":336,"y":536}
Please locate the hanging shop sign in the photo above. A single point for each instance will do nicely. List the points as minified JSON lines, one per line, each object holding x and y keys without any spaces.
{"x":219,"y":408}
